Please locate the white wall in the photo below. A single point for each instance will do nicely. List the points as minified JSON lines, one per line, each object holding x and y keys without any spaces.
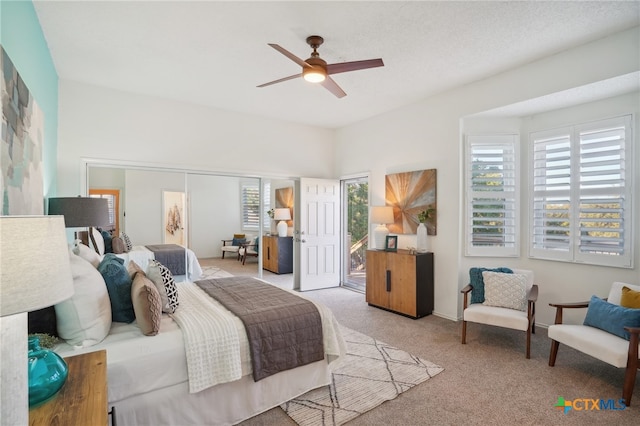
{"x":100,"y":123}
{"x":429,"y":135}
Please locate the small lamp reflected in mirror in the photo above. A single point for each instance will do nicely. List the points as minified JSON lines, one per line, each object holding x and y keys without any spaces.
{"x":282,"y":215}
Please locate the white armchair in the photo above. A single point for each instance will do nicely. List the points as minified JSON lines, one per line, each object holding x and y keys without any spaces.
{"x":594,"y":340}
{"x":510,"y":303}
{"x":233,"y":246}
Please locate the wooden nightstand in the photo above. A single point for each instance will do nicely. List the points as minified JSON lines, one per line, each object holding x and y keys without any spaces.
{"x":83,"y":398}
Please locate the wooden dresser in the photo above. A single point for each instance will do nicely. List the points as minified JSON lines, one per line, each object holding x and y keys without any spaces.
{"x":277,"y":254}
{"x":83,"y":398}
{"x":400,"y":282}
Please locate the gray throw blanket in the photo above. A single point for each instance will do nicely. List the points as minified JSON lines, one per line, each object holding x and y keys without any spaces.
{"x":284,"y":330}
{"x":170,"y":255}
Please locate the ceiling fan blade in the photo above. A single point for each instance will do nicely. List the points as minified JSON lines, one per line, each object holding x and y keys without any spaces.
{"x":291,"y":77}
{"x":353,"y":66}
{"x":289,"y":55}
{"x":333,"y":87}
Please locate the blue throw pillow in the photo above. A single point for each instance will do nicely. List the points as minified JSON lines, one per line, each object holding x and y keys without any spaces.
{"x":118,"y":283}
{"x":476,"y":281}
{"x":238,"y":241}
{"x":106,"y":236}
{"x":611,"y":318}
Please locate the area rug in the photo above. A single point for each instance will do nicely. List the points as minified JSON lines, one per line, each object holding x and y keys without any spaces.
{"x":213,"y":272}
{"x":373,"y":372}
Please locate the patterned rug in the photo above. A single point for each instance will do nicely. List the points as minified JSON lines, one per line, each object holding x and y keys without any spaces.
{"x":372,"y":373}
{"x":213,"y":272}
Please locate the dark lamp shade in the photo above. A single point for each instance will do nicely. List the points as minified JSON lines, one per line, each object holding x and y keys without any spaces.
{"x":81,"y":211}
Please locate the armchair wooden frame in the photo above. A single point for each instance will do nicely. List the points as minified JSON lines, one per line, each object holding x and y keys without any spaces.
{"x":531,"y":314}
{"x":633,"y":363}
{"x":244,"y":251}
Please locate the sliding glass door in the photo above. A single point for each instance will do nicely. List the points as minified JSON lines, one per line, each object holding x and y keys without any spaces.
{"x":355,"y":194}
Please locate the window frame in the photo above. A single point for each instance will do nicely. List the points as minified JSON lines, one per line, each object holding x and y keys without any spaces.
{"x":578,"y":191}
{"x":498,"y":141}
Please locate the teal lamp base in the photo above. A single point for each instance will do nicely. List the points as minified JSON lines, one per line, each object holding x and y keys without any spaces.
{"x":47,"y":373}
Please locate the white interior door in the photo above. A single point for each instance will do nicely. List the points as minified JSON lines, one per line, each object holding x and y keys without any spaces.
{"x":317,"y":236}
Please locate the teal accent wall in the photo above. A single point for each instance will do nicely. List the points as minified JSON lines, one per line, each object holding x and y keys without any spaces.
{"x":23,"y":40}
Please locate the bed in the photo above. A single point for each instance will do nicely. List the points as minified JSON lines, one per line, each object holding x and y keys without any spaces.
{"x":143,"y":254}
{"x":149,"y":377}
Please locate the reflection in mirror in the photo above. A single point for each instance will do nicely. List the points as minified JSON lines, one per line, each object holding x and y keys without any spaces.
{"x":215,"y":209}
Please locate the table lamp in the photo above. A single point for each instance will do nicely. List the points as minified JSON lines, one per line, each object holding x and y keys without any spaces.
{"x":35,"y":272}
{"x":382,"y":215}
{"x":81,"y":212}
{"x":282,"y":215}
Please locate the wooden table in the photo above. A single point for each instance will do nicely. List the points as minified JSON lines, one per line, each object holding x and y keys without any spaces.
{"x":83,"y":397}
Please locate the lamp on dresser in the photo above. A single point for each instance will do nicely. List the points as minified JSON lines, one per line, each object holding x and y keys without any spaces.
{"x":382,"y":215}
{"x":81,"y":212}
{"x":35,"y":272}
{"x":282,"y":215}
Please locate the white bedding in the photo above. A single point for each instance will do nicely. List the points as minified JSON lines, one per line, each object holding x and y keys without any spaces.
{"x":145,"y":370}
{"x":142,"y":255}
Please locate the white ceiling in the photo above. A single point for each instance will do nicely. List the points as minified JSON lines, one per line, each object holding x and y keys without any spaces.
{"x":215,"y":53}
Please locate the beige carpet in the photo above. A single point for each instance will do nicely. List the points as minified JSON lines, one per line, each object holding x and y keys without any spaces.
{"x":209,"y":272}
{"x":373,"y":372}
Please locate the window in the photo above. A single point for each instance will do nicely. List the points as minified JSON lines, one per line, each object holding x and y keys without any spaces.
{"x":113,"y":198}
{"x":250,"y":199}
{"x":581,"y":200}
{"x":492,"y":202}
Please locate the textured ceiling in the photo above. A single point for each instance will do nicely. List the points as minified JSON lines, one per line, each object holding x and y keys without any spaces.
{"x":215,"y":53}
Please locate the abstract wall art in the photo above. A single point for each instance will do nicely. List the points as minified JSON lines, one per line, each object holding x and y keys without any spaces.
{"x":284,"y":198}
{"x":410,"y":193}
{"x":21,"y":174}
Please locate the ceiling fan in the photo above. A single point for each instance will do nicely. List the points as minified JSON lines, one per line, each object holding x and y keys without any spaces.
{"x":316,"y":70}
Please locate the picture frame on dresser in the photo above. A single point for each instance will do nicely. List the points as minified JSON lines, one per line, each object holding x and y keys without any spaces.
{"x":391,"y":243}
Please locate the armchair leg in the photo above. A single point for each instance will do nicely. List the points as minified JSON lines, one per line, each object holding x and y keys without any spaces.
{"x":632,"y":370}
{"x":529,"y":342}
{"x":464,"y":332}
{"x":629,"y":382}
{"x":554,"y":353}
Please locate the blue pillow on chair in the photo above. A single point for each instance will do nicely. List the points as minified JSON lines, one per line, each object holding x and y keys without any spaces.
{"x":238,"y":241}
{"x":476,"y":281}
{"x":611,"y":318}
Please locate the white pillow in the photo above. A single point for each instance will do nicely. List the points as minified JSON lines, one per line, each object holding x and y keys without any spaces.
{"x":84,"y":319}
{"x":96,"y":236}
{"x":505,"y":290}
{"x":87,"y":254}
{"x":615,"y":294}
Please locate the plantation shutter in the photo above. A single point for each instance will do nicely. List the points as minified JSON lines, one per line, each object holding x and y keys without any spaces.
{"x":250,"y":198}
{"x":602,"y":189}
{"x":266,"y":220}
{"x":492,"y":201}
{"x":551,"y":226}
{"x":581,"y":193}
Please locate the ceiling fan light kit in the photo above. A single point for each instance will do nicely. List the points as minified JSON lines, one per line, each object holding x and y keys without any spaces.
{"x":316,"y":70}
{"x":314,"y":75}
